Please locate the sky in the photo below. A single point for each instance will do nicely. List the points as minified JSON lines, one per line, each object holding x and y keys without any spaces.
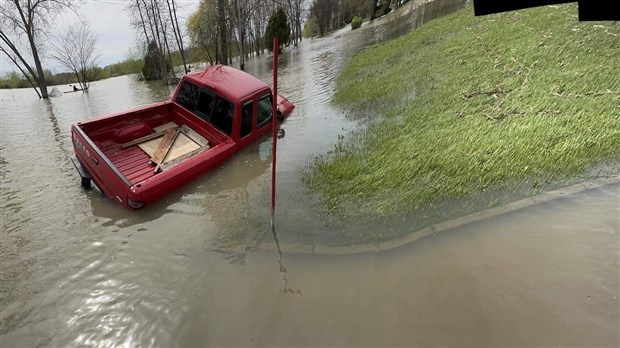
{"x":110,"y":22}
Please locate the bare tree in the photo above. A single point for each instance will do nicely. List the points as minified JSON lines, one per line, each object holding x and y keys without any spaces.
{"x":203,"y":30}
{"x":75,"y":51}
{"x":324,"y":12}
{"x":156,"y":21}
{"x":19,"y":18}
{"x":219,"y":26}
{"x":172,"y":9}
{"x":241,"y":28}
{"x":25,"y":74}
{"x":221,"y":14}
{"x":147,"y":18}
{"x":263,"y":11}
{"x":211,"y":29}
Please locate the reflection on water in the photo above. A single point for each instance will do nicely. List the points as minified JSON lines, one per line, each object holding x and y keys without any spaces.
{"x":542,"y":276}
{"x":285,"y":289}
{"x":78,"y":269}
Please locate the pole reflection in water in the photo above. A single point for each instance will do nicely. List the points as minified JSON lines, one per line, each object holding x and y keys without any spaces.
{"x":286,"y":289}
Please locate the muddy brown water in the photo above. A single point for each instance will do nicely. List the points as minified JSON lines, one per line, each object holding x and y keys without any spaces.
{"x":77,"y":270}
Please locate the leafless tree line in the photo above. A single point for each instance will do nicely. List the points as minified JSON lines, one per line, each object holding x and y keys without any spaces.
{"x":157,"y":22}
{"x":22,"y":29}
{"x":331,"y":15}
{"x":222,"y":29}
{"x":24,"y":32}
{"x":75,"y":51}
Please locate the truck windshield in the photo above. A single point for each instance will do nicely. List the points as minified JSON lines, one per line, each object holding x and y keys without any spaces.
{"x":208,"y":106}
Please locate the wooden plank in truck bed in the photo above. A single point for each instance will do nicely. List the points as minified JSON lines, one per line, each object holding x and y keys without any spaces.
{"x":164,"y":145}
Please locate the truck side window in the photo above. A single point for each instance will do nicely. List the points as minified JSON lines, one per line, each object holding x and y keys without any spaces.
{"x":265,"y":111}
{"x":222,"y":115}
{"x":246,"y":118}
{"x":188,"y":95}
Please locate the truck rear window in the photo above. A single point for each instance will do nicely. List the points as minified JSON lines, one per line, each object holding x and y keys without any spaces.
{"x":207,"y":105}
{"x":188,"y":95}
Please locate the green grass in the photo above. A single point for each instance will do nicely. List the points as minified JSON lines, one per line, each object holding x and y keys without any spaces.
{"x":465,"y":105}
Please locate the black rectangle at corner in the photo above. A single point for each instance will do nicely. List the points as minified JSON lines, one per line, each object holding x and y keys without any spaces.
{"x":601,"y":10}
{"x":485,"y":7}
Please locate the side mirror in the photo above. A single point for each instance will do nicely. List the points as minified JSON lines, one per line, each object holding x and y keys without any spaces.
{"x":281,"y":133}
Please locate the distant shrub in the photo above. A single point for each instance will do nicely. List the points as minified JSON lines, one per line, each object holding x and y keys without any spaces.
{"x":356,"y":22}
{"x":311,"y":28}
{"x":156,"y":67}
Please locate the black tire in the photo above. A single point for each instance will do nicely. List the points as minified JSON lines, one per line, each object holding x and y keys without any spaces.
{"x":86,"y":183}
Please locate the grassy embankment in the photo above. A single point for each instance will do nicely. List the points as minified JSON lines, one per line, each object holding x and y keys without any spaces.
{"x":469,"y":105}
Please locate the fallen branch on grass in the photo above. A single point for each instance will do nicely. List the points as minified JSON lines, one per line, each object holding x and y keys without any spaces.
{"x":495,"y":92}
{"x":589,"y":94}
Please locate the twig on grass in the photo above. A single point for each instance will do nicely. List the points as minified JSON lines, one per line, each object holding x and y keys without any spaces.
{"x":495,"y":92}
{"x":588,"y":94}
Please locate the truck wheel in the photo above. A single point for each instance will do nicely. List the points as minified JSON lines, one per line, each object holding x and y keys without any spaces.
{"x":86,"y":183}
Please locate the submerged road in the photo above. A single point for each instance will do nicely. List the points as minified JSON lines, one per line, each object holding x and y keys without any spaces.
{"x":546,"y":275}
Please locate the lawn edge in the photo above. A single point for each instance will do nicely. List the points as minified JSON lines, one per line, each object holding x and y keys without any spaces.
{"x":433,"y":230}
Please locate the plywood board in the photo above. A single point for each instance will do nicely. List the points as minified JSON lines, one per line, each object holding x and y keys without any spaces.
{"x":197,"y":138}
{"x":182,"y":145}
{"x":166,"y":126}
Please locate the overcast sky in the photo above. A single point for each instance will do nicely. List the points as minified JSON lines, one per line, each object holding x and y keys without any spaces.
{"x":111,"y":23}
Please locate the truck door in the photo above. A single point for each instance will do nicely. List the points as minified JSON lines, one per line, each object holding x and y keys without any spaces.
{"x":264,"y":115}
{"x":248,"y":112}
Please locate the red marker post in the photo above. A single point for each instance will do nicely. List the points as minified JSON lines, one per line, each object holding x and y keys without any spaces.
{"x":274,"y":131}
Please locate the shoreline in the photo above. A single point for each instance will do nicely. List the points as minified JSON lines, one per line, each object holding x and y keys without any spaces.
{"x":318,"y":249}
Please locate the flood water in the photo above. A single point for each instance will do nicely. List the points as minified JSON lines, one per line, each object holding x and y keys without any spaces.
{"x":78,"y":270}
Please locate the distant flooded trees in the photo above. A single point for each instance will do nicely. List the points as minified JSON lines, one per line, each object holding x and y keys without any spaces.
{"x":75,"y":51}
{"x":329,"y":15}
{"x":27,"y":20}
{"x":222,"y":29}
{"x":157,"y":23}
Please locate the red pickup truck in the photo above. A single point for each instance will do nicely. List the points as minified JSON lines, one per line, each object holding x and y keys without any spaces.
{"x":138,"y":156}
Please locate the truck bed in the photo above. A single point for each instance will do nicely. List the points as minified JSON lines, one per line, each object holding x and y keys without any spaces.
{"x":134,"y":162}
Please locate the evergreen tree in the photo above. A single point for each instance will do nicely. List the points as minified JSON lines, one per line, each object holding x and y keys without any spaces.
{"x":277,"y":27}
{"x":156,"y":67}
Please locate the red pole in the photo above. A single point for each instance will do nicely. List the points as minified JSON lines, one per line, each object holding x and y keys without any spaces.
{"x":274,"y":130}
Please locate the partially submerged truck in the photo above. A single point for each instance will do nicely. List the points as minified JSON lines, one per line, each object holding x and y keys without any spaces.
{"x":138,"y":156}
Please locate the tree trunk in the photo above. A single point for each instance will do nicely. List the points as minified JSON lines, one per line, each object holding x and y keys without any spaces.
{"x":23,"y":72}
{"x":40,"y":74}
{"x":177,"y":32}
{"x":146,"y":36}
{"x":165,"y":43}
{"x":373,"y":8}
{"x":241,"y":29}
{"x":221,"y":8}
